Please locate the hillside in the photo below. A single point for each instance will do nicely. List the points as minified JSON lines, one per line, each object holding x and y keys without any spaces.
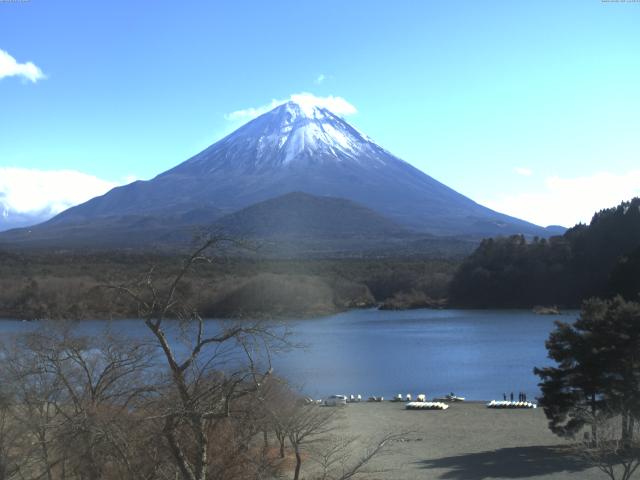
{"x":599,"y":259}
{"x":301,"y":215}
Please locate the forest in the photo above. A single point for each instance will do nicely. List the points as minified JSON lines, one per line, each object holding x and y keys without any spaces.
{"x":73,"y":285}
{"x":601,"y":259}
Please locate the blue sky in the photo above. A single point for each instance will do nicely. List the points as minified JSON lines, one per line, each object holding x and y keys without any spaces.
{"x":528,"y":107}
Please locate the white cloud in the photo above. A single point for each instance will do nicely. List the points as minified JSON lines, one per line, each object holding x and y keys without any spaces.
{"x":337,"y":105}
{"x":527,"y":172}
{"x":567,"y":201}
{"x":251,"y":113}
{"x":46,"y":192}
{"x":9,"y":67}
{"x":320,"y":79}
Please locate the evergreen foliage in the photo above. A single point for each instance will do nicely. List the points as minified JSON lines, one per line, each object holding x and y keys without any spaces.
{"x":601,"y":259}
{"x":598,"y":368}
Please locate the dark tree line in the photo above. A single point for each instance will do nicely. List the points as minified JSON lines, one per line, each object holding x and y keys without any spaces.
{"x":66,"y":285}
{"x":601,"y":259}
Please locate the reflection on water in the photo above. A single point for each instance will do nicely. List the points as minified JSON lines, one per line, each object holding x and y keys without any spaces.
{"x":477,"y":354}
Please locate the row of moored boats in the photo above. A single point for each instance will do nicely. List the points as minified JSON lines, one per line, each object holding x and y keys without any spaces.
{"x":426,"y":406}
{"x":510,"y":404}
{"x":421,"y":402}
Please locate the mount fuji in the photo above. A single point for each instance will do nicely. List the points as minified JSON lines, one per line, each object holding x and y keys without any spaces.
{"x":296,"y":147}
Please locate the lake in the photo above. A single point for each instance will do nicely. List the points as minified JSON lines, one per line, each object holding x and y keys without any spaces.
{"x":478,"y":354}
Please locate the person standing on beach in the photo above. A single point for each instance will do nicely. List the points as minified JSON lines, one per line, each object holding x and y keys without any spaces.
{"x":511,"y":396}
{"x":504,"y":396}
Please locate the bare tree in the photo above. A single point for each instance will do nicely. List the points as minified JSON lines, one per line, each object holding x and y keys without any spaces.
{"x":36,"y":392}
{"x":12,"y":439}
{"x":76,"y":399}
{"x":305,"y":425}
{"x":205,"y":379}
{"x":612,"y":452}
{"x":198,"y":401}
{"x":337,"y":460}
{"x":311,"y":431}
{"x":276,"y":401}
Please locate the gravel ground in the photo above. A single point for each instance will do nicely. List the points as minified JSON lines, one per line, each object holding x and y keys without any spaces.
{"x":467,"y":441}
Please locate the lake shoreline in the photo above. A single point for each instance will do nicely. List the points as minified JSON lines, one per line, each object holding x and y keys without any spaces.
{"x":311,"y":315}
{"x":478,"y":354}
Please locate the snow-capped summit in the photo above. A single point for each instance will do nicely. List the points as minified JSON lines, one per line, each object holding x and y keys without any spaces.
{"x":298,"y":146}
{"x":296,"y":131}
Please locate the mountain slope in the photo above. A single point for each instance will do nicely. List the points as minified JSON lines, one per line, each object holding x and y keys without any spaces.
{"x":300,"y":215}
{"x":10,"y":219}
{"x":296,"y":147}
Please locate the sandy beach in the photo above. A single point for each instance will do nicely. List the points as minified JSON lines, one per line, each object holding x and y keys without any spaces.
{"x":467,"y":441}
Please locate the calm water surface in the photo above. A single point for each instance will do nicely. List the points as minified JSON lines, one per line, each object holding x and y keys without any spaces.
{"x":475,"y":353}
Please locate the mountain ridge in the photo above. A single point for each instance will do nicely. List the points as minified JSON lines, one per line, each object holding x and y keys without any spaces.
{"x":296,"y":148}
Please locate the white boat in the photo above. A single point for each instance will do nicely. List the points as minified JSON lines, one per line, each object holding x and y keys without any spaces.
{"x":426,"y":406}
{"x":509,"y":404}
{"x":450,"y":398}
{"x":455,"y":398}
{"x":335,"y":400}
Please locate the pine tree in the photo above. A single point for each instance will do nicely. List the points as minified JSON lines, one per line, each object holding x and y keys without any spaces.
{"x":598,"y":369}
